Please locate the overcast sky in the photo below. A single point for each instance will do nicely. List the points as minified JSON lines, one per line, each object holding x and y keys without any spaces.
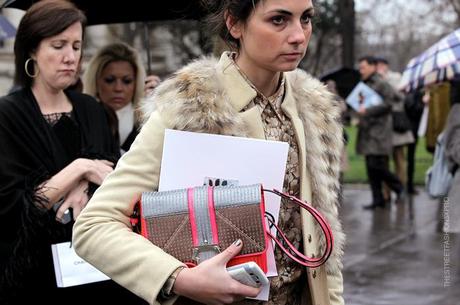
{"x":417,"y":12}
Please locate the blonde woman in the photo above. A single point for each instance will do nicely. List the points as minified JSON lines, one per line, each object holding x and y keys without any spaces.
{"x":115,"y":76}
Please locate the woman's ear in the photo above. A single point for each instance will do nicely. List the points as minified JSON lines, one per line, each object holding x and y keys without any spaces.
{"x":233,"y":26}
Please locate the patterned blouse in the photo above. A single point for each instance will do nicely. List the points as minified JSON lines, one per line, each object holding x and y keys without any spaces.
{"x":287,"y":287}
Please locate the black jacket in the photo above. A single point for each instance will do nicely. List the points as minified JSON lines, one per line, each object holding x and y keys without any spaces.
{"x":30,"y":153}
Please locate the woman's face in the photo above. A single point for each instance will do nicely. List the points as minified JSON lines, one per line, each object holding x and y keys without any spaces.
{"x":57,"y":58}
{"x":276,"y":35}
{"x":116,"y":84}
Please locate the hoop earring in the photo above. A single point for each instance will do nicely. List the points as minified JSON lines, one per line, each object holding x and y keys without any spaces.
{"x":27,"y":72}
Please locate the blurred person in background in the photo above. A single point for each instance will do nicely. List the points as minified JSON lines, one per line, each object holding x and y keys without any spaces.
{"x":383,"y":68}
{"x":374,"y":129}
{"x":116,"y":77}
{"x":414,"y":109}
{"x":452,"y":151}
{"x":402,"y":134}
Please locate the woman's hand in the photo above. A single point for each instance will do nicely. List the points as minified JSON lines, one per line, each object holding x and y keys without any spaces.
{"x":69,"y":177}
{"x":210,"y":283}
{"x":97,"y":170}
{"x":76,"y":199}
{"x":151,"y":82}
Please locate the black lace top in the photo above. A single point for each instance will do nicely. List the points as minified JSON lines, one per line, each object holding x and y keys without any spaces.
{"x":66,"y":128}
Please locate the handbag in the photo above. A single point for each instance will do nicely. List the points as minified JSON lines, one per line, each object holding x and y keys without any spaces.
{"x":438,"y":178}
{"x":194,"y":224}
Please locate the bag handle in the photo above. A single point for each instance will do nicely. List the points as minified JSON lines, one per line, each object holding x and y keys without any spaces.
{"x":289,"y":249}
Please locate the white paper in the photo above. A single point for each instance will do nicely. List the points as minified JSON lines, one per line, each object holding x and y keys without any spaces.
{"x":72,"y":270}
{"x":362,"y":93}
{"x":190,"y":157}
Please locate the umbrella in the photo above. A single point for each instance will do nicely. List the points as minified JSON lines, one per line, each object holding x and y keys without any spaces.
{"x":7,"y":30}
{"x":108,"y":11}
{"x":439,"y":63}
{"x":345,"y":79}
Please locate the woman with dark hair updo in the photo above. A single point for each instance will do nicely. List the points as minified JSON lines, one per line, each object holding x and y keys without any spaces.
{"x":56,"y":149}
{"x":256,"y":91}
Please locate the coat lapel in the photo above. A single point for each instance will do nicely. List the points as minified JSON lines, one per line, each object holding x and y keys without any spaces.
{"x":240,"y":95}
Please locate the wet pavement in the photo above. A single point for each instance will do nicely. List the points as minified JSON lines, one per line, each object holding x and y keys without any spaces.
{"x":397,"y":255}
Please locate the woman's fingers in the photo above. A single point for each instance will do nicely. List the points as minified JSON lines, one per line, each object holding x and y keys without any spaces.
{"x":76,"y":200}
{"x":77,"y":209}
{"x":230,"y":252}
{"x":151,"y":82}
{"x":210,"y":283}
{"x":98,"y":170}
{"x":105,"y":162}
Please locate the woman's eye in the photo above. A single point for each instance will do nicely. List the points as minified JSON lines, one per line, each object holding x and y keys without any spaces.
{"x":127,"y":81}
{"x":278,"y":20}
{"x":306,"y":19}
{"x":109,"y":80}
{"x":57,"y":46}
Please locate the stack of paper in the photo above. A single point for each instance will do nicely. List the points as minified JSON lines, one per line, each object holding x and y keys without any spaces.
{"x":70,"y":269}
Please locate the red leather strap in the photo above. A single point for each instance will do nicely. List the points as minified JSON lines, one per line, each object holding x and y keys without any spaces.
{"x":289,"y":249}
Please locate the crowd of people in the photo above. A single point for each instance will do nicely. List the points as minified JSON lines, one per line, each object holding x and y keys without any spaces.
{"x":76,"y":151}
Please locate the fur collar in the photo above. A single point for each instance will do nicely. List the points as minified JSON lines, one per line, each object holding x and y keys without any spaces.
{"x":194,"y":99}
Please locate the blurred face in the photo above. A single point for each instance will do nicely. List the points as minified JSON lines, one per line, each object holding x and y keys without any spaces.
{"x":275,"y":36}
{"x":382,"y":68}
{"x":57,"y":58}
{"x":116,"y":84}
{"x":366,"y":70}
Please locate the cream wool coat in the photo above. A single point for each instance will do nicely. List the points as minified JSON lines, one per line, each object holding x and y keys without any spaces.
{"x":207,"y":96}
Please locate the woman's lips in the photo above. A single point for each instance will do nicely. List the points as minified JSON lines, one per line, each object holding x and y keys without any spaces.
{"x":292,"y":56}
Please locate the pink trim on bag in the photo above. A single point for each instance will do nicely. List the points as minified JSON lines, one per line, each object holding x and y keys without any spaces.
{"x":191,"y":211}
{"x":212,"y":215}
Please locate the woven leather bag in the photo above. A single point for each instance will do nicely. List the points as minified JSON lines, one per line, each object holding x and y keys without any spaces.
{"x":195,"y":224}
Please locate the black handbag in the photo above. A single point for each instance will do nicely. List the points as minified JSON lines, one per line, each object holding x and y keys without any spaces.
{"x":401,"y":122}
